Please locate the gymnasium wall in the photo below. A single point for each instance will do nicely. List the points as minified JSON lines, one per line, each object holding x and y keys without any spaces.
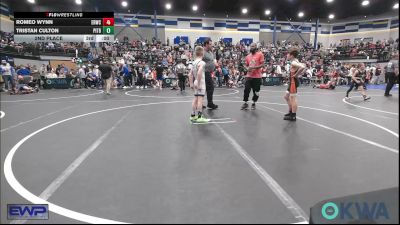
{"x":6,"y":23}
{"x":215,"y":35}
{"x":69,"y":64}
{"x":322,"y":38}
{"x":293,"y":37}
{"x":268,"y":37}
{"x":376,"y":29}
{"x":376,"y":35}
{"x":394,"y":33}
{"x":37,"y":63}
{"x":138,"y":33}
{"x":169,"y":27}
{"x":215,"y":28}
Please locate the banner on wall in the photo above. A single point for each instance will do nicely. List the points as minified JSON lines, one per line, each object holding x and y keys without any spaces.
{"x":246,"y":41}
{"x":227,"y":40}
{"x":179,"y":39}
{"x":201,"y":40}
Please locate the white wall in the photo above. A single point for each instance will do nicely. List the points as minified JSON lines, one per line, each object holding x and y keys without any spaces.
{"x":293,"y":37}
{"x":376,"y":35}
{"x":146,"y":33}
{"x":213,"y":34}
{"x":327,"y":39}
{"x":322,"y":38}
{"x":38,"y":63}
{"x":394,"y":33}
{"x":268,"y":37}
{"x":6,"y":25}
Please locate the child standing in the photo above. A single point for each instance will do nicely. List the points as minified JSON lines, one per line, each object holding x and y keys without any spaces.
{"x":198,"y":84}
{"x":296,"y":69}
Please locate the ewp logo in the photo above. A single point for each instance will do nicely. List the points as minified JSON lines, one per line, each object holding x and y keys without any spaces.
{"x":364,"y":211}
{"x":28,"y":212}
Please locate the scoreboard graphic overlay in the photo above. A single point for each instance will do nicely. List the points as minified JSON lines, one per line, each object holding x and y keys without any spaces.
{"x":64,"y":26}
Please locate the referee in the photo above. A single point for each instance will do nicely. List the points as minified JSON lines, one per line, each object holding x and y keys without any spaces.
{"x":392,"y":72}
{"x":106,"y":74}
{"x":211,"y":62}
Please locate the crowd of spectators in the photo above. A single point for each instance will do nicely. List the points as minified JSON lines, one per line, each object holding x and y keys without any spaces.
{"x":137,"y":63}
{"x":364,"y":49}
{"x":8,"y":45}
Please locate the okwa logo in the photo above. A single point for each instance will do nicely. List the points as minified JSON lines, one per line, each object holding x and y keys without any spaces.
{"x":362,"y":211}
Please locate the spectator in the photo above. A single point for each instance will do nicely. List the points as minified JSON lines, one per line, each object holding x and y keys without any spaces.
{"x":180,"y":69}
{"x":82,"y":77}
{"x":225,"y":73}
{"x":51,"y":75}
{"x":6,"y":73}
{"x":24,"y":71}
{"x":127,"y":76}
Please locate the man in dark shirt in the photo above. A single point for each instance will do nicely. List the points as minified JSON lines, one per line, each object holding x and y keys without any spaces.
{"x":58,"y":70}
{"x":209,"y":69}
{"x":159,"y":71}
{"x":141,"y":81}
{"x":392,"y":73}
{"x":106,"y":74}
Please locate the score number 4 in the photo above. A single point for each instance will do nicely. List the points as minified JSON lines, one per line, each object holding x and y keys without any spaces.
{"x":108,"y":21}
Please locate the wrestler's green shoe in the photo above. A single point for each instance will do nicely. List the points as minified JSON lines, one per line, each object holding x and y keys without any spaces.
{"x":193,"y":119}
{"x":202,"y":120}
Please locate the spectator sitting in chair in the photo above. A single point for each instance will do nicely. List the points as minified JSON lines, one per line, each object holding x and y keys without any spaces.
{"x":91,"y":80}
{"x":118,"y":83}
{"x":24,"y":71}
{"x":62,"y":73}
{"x":240,"y":80}
{"x":65,"y":69}
{"x":174,"y":82}
{"x":150,"y":77}
{"x":58,"y":70}
{"x":51,"y":74}
{"x":48,"y":68}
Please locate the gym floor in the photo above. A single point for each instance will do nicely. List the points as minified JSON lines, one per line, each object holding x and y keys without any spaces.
{"x":134,"y":156}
